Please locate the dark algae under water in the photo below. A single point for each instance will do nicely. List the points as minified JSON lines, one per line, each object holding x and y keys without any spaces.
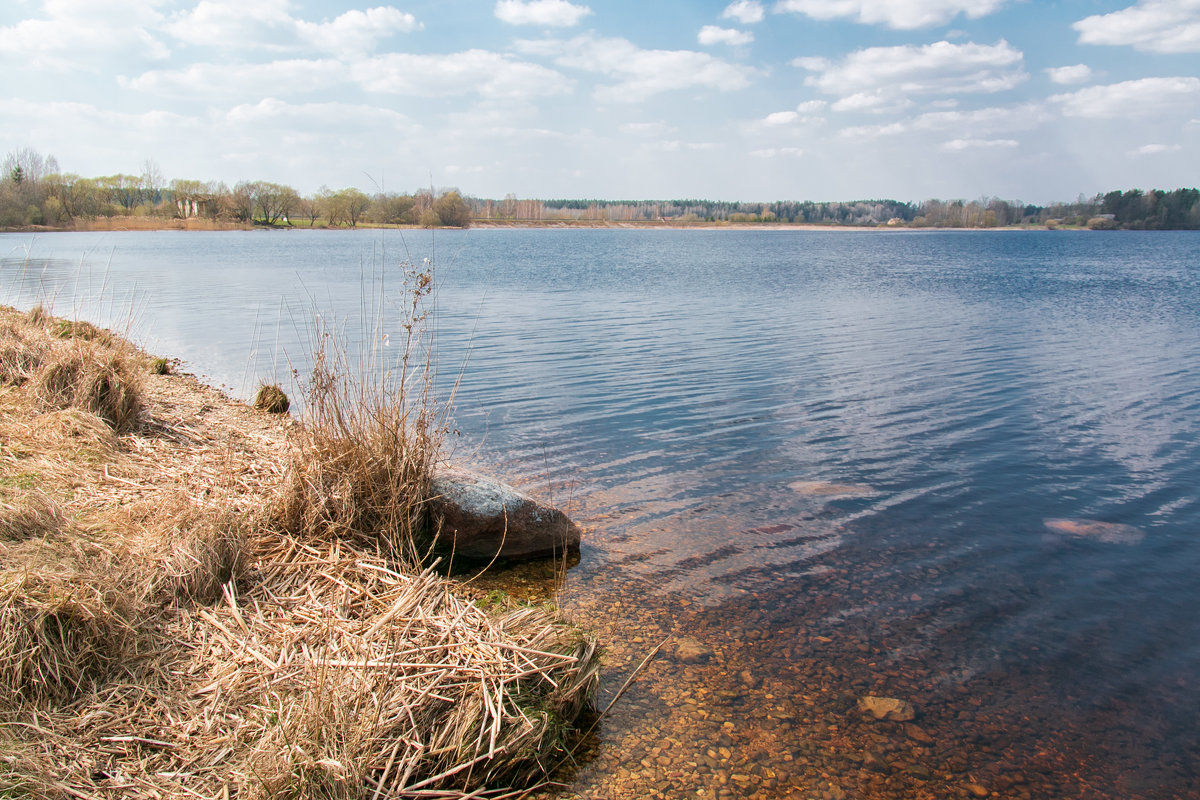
{"x":958,"y":470}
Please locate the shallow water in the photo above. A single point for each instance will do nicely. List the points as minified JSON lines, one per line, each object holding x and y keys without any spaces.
{"x":958,"y":469}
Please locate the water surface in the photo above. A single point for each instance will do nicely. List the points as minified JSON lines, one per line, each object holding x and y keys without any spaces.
{"x":958,"y":469}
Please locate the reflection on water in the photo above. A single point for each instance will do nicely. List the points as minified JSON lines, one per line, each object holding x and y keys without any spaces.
{"x":958,"y":470}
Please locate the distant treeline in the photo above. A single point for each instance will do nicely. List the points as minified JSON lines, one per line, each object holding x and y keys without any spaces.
{"x":1135,"y":209}
{"x":34,"y":191}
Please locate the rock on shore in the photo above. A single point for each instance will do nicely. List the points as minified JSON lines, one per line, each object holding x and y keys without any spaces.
{"x":481,"y":518}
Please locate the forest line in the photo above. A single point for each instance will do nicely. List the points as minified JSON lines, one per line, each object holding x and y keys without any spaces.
{"x":35,"y":192}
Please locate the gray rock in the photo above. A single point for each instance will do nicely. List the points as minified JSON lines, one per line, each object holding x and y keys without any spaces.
{"x":888,"y":708}
{"x":480,"y":518}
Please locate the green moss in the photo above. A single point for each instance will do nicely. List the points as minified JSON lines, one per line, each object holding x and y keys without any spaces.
{"x":73,"y":329}
{"x":24,"y":480}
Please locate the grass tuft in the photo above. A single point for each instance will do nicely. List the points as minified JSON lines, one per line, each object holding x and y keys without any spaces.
{"x":186,"y":551}
{"x":64,"y":618}
{"x":362,"y":463}
{"x":272,"y":399}
{"x":160,"y":366}
{"x":94,"y":379}
{"x":34,"y":516}
{"x":19,"y":359}
{"x":38,"y":316}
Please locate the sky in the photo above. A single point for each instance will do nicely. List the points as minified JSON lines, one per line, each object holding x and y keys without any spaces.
{"x":751,"y":100}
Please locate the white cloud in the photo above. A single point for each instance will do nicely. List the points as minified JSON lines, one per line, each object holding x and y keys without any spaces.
{"x":233,"y":24}
{"x":546,"y":13}
{"x":959,"y":145}
{"x":746,"y":12}
{"x":73,"y":117}
{"x":676,"y":146}
{"x":1158,"y":26}
{"x":877,"y":102}
{"x":774,"y":152}
{"x":271,"y":111}
{"x":357,"y":31}
{"x":805,"y":112}
{"x":269,"y":24}
{"x":640,"y":74}
{"x":1145,"y":98}
{"x":1077,"y":73}
{"x":781,"y":118}
{"x":231,"y":80}
{"x":901,"y":14}
{"x":76,"y":33}
{"x":491,"y":75}
{"x":974,"y":124}
{"x":714,"y":34}
{"x":646,"y":128}
{"x":1155,"y":149}
{"x":880,"y":74}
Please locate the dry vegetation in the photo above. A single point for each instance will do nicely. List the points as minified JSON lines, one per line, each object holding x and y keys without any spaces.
{"x":198,"y":599}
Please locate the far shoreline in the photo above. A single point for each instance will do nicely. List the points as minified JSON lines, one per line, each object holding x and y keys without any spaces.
{"x":152,"y":224}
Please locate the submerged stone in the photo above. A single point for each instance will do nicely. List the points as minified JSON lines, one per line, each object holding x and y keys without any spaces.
{"x":888,"y":708}
{"x":1109,"y":532}
{"x":479,"y":518}
{"x":691,"y":650}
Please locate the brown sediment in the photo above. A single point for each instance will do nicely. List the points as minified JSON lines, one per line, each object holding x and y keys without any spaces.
{"x":162,"y":636}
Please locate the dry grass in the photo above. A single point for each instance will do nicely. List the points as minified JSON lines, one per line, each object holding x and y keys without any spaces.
{"x":95,"y":379}
{"x":73,"y":365}
{"x":272,"y":399}
{"x":19,"y":357}
{"x":362,"y":463}
{"x":217,"y":602}
{"x":35,"y":517}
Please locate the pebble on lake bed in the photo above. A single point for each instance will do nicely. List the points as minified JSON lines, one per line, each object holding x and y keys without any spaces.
{"x":1108,"y":532}
{"x":690,"y":650}
{"x":888,"y":708}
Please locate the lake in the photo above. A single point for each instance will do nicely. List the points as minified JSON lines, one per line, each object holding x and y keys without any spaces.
{"x":959,"y":469}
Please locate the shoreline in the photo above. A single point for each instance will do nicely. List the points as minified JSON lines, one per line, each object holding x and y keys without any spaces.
{"x":151,"y":580}
{"x":151,"y":224}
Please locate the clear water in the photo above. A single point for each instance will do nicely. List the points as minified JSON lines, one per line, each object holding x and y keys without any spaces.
{"x":1011,"y":418}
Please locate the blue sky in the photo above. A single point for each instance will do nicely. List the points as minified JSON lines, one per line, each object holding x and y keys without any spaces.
{"x":766,"y":100}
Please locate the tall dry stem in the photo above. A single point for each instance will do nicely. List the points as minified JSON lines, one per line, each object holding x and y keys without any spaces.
{"x":372,"y":431}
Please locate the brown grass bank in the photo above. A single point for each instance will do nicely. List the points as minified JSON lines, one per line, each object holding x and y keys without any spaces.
{"x":196,"y":603}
